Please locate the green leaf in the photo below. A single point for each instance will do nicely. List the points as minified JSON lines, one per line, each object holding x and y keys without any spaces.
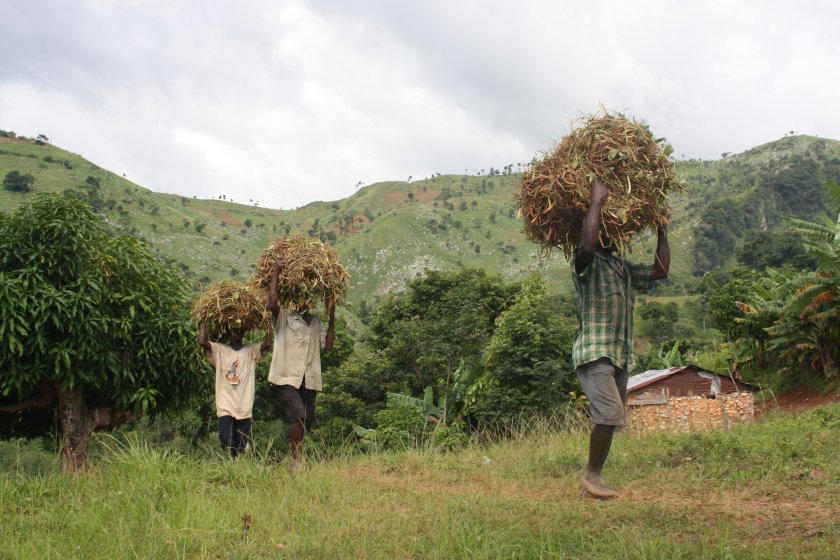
{"x":427,"y":408}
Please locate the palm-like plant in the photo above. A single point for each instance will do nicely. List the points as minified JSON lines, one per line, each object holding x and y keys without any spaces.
{"x":763,"y":309}
{"x":808,"y":303}
{"x":817,"y":296}
{"x":797,"y":338}
{"x":818,"y":293}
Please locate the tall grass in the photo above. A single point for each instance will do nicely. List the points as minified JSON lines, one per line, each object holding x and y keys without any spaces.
{"x":767,"y":490}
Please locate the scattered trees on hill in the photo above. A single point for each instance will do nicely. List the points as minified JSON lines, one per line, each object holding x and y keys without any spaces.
{"x":790,"y":186}
{"x":717,"y":233}
{"x":770,"y":249}
{"x":94,"y":327}
{"x":798,"y":189}
{"x":16,"y":181}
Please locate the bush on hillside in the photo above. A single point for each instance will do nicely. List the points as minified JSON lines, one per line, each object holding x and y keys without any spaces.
{"x":16,"y":181}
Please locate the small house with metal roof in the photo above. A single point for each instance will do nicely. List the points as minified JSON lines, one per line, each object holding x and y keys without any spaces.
{"x":687,"y":398}
{"x":657,"y":385}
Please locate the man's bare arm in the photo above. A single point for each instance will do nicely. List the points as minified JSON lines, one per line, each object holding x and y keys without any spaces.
{"x":203,"y":341}
{"x":272,"y":289}
{"x":330,"y":340}
{"x":590,"y":227}
{"x":662,"y":260}
{"x":266,"y":343}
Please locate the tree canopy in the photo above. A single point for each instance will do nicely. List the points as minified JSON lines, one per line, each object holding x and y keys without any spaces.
{"x":482,"y":350}
{"x":528,"y":361}
{"x":93,"y":325}
{"x":442,"y":318}
{"x":16,"y":181}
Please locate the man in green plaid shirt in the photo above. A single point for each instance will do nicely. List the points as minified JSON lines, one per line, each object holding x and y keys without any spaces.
{"x":603,"y":348}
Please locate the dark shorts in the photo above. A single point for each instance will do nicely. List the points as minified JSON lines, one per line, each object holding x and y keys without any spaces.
{"x":234,"y":434}
{"x":605,"y":386}
{"x":299,"y":403}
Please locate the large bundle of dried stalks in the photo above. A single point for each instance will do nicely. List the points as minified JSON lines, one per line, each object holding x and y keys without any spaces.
{"x":312,"y":272}
{"x":620,"y":153}
{"x":227,"y":306}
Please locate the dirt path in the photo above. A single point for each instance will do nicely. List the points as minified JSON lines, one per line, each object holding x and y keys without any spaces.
{"x":803,"y":398}
{"x":770,"y":513}
{"x":771,"y":516}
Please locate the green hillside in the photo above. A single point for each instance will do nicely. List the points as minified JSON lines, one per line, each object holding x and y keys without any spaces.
{"x":388,"y":233}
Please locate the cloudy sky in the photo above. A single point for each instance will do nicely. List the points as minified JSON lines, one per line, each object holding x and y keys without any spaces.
{"x":286,"y":102}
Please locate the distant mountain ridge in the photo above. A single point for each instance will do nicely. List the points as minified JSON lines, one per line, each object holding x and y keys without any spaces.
{"x":390,"y":232}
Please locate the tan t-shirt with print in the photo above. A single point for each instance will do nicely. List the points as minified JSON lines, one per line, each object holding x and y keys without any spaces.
{"x":235,"y":372}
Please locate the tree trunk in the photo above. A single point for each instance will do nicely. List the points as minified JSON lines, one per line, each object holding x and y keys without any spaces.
{"x":829,"y":365}
{"x":76,"y":427}
{"x":78,"y":421}
{"x":761,"y":354}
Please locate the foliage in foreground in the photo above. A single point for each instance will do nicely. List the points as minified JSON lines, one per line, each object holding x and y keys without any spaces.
{"x":766,"y":490}
{"x":93,"y":325}
{"x":488,"y":352}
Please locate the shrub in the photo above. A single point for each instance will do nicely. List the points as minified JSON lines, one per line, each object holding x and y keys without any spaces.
{"x":16,"y":181}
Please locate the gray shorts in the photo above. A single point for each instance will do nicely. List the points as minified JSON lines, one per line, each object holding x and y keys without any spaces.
{"x":299,"y":404}
{"x":605,"y":386}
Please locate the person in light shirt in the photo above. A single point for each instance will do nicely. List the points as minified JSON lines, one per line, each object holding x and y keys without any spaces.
{"x":235,"y":365}
{"x":295,"y":369}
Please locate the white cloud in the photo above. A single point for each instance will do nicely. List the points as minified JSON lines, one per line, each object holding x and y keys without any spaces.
{"x":296,"y":101}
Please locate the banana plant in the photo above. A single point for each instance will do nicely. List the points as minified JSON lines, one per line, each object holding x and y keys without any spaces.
{"x":806,"y":304}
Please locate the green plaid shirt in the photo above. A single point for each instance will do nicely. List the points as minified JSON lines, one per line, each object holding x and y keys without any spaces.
{"x":604,"y":298}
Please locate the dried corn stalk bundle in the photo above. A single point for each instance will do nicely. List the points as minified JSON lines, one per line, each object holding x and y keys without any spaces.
{"x":312,"y":272}
{"x":227,"y":306}
{"x":620,"y":153}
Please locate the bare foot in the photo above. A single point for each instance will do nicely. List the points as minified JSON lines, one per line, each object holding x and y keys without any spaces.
{"x":596,"y":487}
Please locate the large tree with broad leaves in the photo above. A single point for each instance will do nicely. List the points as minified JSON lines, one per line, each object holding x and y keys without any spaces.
{"x":94,"y":329}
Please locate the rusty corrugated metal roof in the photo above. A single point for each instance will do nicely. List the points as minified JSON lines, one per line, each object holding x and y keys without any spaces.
{"x":641,"y":380}
{"x":651,"y":376}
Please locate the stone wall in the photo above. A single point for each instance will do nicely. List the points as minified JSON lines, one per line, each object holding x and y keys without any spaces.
{"x":688,"y":414}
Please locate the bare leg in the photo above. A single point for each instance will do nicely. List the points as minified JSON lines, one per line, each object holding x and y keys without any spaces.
{"x":600,"y":441}
{"x":296,"y":431}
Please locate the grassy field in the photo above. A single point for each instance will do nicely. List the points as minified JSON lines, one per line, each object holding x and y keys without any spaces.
{"x":766,"y":490}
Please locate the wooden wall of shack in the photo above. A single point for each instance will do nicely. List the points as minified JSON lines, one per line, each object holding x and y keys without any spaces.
{"x":685,"y":402}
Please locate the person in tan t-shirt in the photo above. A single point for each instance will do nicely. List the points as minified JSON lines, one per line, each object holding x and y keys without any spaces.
{"x":235,"y":366}
{"x":296,"y":361}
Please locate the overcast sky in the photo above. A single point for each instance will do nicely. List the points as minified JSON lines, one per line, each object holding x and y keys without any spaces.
{"x":286,"y":102}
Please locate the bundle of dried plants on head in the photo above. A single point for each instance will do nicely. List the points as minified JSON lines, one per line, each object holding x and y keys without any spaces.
{"x":230,"y":306}
{"x":619,"y":152}
{"x":312,"y":272}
